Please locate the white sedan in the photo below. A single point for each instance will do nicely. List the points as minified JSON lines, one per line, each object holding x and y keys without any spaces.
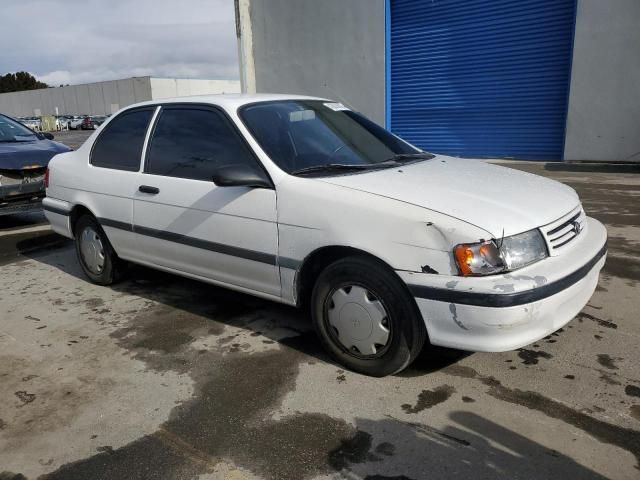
{"x":74,"y":122}
{"x":303,"y":201}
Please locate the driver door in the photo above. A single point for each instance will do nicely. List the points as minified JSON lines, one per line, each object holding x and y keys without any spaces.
{"x":184,"y":222}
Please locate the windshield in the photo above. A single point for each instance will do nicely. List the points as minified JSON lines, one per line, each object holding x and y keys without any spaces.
{"x":12,"y":131}
{"x":304,"y":134}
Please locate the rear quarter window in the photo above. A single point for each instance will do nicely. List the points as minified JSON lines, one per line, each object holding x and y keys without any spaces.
{"x":119,"y":145}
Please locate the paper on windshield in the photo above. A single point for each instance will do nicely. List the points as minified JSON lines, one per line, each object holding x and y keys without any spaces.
{"x":336,"y":107}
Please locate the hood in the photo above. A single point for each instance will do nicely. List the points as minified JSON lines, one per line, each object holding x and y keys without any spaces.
{"x":488,"y":196}
{"x":18,"y":155}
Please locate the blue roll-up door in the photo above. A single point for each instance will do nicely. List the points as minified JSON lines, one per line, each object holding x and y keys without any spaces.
{"x":480,"y":78}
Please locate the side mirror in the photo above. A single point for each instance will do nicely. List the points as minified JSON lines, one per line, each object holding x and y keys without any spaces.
{"x":47,"y":135}
{"x":241,"y":176}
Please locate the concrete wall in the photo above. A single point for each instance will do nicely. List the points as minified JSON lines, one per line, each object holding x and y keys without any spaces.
{"x":98,"y":98}
{"x":604,"y":103}
{"x":102,"y":98}
{"x":328,"y":48}
{"x":181,"y":87}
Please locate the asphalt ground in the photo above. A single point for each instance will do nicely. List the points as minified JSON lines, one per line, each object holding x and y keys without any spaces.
{"x":72,"y":138}
{"x":159,"y":377}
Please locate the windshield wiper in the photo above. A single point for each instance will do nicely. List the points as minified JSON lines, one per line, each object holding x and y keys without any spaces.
{"x":394,"y":161}
{"x":408,"y":157}
{"x":332,"y":167}
{"x":18,"y":139}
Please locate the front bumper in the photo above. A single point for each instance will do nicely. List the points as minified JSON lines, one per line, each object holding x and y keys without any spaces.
{"x":21,"y":198}
{"x":504,"y":312}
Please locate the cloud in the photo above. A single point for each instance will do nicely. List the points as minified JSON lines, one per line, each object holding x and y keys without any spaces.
{"x":79,"y":41}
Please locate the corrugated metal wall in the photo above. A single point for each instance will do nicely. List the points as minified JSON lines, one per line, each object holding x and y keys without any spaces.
{"x":481,"y":78}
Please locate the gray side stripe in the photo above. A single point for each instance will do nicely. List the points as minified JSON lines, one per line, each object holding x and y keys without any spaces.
{"x":193,"y":242}
{"x":105,"y":222}
{"x":59,"y":211}
{"x":207,"y":245}
{"x":291,"y":263}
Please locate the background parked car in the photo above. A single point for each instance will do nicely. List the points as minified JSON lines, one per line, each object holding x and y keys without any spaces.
{"x":75,"y":121}
{"x":92,"y":122}
{"x":60,"y":122}
{"x":33,"y":123}
{"x":24,"y":156}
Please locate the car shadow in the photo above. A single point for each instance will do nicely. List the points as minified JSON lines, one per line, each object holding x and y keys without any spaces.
{"x":433,"y":359}
{"x":278,"y":323}
{"x":405,"y":446}
{"x":589,"y":167}
{"x":470,"y":446}
{"x":21,"y":220}
{"x":18,"y":244}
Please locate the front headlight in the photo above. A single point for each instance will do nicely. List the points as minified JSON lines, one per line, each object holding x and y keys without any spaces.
{"x":523,"y":249}
{"x":497,"y":256}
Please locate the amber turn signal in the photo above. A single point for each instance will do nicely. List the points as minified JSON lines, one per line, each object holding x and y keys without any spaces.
{"x":478,"y":258}
{"x":464,"y":259}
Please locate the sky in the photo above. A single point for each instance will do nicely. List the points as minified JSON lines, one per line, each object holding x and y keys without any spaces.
{"x":80,"y":41}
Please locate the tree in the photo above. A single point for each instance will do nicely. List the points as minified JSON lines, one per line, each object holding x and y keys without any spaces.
{"x":19,"y":81}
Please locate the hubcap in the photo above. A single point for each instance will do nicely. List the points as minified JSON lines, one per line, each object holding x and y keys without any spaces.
{"x":358,"y":320}
{"x":92,"y":250}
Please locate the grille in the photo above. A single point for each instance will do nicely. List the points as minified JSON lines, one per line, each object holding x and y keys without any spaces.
{"x":19,"y":177}
{"x":562,"y":232}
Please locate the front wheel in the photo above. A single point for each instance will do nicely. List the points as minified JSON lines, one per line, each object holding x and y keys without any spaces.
{"x":366,"y":318}
{"x":96,"y":255}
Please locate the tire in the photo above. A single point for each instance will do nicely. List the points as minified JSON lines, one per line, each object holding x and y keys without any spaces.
{"x":337,"y":302}
{"x":88,"y":234}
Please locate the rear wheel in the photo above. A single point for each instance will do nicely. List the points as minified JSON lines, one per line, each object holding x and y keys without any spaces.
{"x":366,"y":318}
{"x":96,"y":255}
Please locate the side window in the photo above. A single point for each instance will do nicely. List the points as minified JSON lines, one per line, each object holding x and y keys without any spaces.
{"x":119,"y":146}
{"x":192,"y":143}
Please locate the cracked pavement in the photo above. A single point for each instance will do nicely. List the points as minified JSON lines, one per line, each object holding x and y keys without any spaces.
{"x":162,"y":377}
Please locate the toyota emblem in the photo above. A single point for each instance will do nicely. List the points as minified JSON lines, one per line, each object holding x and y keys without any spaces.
{"x":577,"y":227}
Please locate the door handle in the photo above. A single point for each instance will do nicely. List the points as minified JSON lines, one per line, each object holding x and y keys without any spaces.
{"x":148,"y":189}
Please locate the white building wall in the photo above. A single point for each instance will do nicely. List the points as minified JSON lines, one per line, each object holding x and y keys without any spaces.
{"x":96,"y":99}
{"x":179,"y":87}
{"x":126,"y":91}
{"x":141,"y":90}
{"x":603,"y":121}
{"x":57,"y":100}
{"x":82,"y":95}
{"x":328,"y":48}
{"x":111,"y":100}
{"x":70,"y":99}
{"x":103,"y":98}
{"x":88,"y":99}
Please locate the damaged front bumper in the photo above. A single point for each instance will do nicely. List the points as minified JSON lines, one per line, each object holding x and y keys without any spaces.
{"x":21,"y":198}
{"x":504,"y":312}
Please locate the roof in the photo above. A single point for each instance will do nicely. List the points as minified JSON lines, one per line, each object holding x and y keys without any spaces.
{"x":229,"y":100}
